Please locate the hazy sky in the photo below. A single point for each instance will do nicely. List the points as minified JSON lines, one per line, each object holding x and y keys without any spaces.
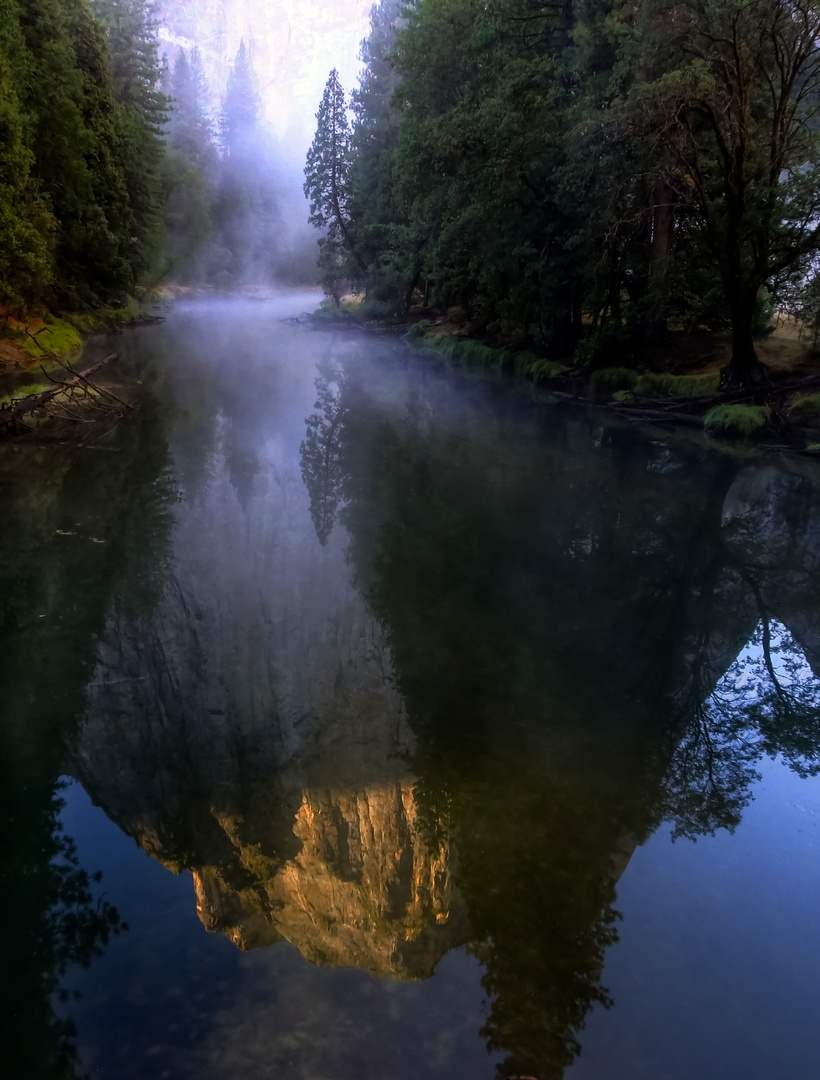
{"x":294,"y":44}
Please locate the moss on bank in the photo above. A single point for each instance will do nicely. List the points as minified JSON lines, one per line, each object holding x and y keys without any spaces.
{"x":635,"y":394}
{"x":737,"y":421}
{"x":47,"y":340}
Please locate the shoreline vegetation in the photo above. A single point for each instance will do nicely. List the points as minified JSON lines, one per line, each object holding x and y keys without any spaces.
{"x":39,"y":377}
{"x":586,"y":182}
{"x":676,"y":384}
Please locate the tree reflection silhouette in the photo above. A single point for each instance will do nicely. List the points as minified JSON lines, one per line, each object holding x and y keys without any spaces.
{"x":320,"y":451}
{"x":568,"y":635}
{"x":78,"y":537}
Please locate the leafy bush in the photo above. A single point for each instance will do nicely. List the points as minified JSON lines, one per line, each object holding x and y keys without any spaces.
{"x":418,"y":329}
{"x":806,"y":405}
{"x":661,"y":384}
{"x":541,"y":369}
{"x":737,"y":421}
{"x":608,"y":380}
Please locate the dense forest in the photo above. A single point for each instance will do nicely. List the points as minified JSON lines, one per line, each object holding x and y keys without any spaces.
{"x":114,"y":174}
{"x":580,"y":174}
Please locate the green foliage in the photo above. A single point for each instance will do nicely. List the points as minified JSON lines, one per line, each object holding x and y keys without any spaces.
{"x":21,"y":392}
{"x":80,"y":197}
{"x":327,"y":188}
{"x":737,"y":421}
{"x":764,"y":311}
{"x":418,"y":329}
{"x":806,"y":405}
{"x":57,"y":337}
{"x":549,"y":168}
{"x":662,"y":384}
{"x":608,"y":380}
{"x":540,"y":370}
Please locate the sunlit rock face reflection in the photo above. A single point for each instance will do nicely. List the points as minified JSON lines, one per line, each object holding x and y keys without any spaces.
{"x":249,"y":728}
{"x":426,"y":668}
{"x":364,"y":890}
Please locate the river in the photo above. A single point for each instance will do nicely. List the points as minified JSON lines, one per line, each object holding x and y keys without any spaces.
{"x":416,"y":730}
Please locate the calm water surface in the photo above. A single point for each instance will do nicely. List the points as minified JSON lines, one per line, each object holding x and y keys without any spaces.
{"x":416,"y":731}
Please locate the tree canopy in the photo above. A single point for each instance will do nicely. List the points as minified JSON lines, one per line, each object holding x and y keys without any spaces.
{"x":81,"y":202}
{"x":576,"y":175}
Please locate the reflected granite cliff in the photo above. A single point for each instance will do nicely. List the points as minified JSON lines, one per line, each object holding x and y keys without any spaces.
{"x":411,"y":682}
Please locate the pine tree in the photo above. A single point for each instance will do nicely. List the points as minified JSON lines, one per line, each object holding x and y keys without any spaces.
{"x":66,"y":90}
{"x":26,"y":226}
{"x":190,"y":167}
{"x":327,"y":186}
{"x":131,"y":32}
{"x":189,"y":127}
{"x":378,"y":228}
{"x":246,"y":209}
{"x":240,"y":108}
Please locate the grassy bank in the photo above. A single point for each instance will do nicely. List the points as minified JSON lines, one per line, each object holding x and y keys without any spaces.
{"x":673,"y":383}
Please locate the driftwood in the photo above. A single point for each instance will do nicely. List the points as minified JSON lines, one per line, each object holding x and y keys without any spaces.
{"x":686,"y":411}
{"x":58,"y":398}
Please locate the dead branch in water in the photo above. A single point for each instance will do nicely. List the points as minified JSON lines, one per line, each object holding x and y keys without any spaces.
{"x":77,"y":399}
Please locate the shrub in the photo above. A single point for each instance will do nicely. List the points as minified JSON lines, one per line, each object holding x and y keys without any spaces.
{"x":737,"y":421}
{"x":661,"y":384}
{"x":806,"y":405}
{"x":608,"y":380}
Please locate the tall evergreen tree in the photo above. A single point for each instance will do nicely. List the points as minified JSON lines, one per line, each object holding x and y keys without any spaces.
{"x":240,"y":107}
{"x":190,"y":129}
{"x":327,"y":186}
{"x":246,"y":210}
{"x":378,"y":227}
{"x":66,"y":89}
{"x":131,"y":32}
{"x":190,"y":168}
{"x":26,"y":226}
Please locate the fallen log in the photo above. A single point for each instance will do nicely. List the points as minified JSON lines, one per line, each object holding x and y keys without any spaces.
{"x":733,"y":397}
{"x":12,"y":414}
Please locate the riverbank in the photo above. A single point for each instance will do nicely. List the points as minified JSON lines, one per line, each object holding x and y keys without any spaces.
{"x":38,"y":352}
{"x":675,"y":382}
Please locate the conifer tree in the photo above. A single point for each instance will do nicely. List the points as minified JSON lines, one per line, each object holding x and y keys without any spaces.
{"x":26,"y":226}
{"x":327,"y":186}
{"x":66,"y":89}
{"x":246,"y":210}
{"x":240,"y":108}
{"x":190,"y":168}
{"x":372,"y":144}
{"x":189,"y":126}
{"x":131,"y":32}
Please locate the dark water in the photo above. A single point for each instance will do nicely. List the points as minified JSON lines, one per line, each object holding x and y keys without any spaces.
{"x":416,"y":731}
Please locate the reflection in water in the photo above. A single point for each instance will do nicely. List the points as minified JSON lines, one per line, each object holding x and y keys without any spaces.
{"x":452,"y":718}
{"x":319,"y":452}
{"x":68,"y":517}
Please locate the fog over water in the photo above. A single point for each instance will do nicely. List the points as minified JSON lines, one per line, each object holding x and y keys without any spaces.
{"x":382,"y":693}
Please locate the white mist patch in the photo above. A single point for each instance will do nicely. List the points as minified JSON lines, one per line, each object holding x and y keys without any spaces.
{"x":293,"y":44}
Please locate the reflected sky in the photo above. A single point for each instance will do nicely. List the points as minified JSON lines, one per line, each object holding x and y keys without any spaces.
{"x":393,"y":704}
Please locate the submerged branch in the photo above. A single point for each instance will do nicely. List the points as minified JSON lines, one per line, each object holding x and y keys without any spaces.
{"x":55,"y":399}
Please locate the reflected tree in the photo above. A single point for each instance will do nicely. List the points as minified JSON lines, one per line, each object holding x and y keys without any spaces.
{"x":60,"y":922}
{"x":79,"y":539}
{"x":320,"y":451}
{"x":766,"y":704}
{"x":567,"y":624}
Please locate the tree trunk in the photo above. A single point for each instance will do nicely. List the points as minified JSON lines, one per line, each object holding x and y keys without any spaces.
{"x":663,"y":225}
{"x":744,"y":370}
